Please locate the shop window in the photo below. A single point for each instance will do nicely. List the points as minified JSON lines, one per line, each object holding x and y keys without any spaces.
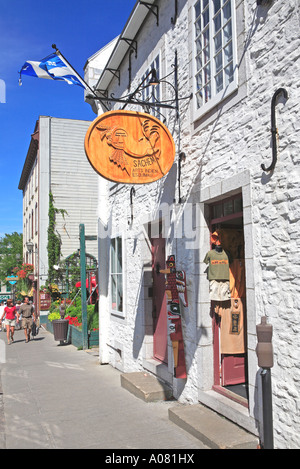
{"x":215,"y":58}
{"x":116,"y":274}
{"x":231,"y":207}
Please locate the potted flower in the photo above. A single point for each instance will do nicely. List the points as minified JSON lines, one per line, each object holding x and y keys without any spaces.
{"x":60,"y":324}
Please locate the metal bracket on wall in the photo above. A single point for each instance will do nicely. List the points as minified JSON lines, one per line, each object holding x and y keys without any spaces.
{"x":132,"y":43}
{"x":274,"y":129}
{"x":115,"y":72}
{"x":174,"y":19}
{"x":153,"y":9}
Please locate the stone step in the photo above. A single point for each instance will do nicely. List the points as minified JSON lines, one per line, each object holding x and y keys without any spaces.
{"x":145,"y":386}
{"x":212,"y":429}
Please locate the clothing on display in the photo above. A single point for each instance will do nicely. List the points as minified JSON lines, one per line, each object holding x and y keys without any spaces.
{"x":218,"y":262}
{"x":232,"y":337}
{"x":219,"y":290}
{"x":226,"y":273}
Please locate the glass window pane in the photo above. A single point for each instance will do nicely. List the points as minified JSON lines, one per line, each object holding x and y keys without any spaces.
{"x":120,"y":294}
{"x":227,"y":32}
{"x":199,"y":62}
{"x":198,"y":27}
{"x":228,"y":208}
{"x":219,"y":82}
{"x":205,"y":37}
{"x":119,"y":256}
{"x":238,"y":207}
{"x":228,"y":55}
{"x":113,"y":292}
{"x":205,"y":3}
{"x":199,"y":100}
{"x":205,"y":17}
{"x":207,"y":93}
{"x":228,"y":74}
{"x":217,"y":22}
{"x":199,"y":81}
{"x":218,"y":41}
{"x":218,"y":62}
{"x":197,"y":9}
{"x":198,"y":45}
{"x":217,"y":211}
{"x":206,"y":71}
{"x":113,"y":255}
{"x":217,"y":6}
{"x":227,"y":11}
{"x":206,"y":55}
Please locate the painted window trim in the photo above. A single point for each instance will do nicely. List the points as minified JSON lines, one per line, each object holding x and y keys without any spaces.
{"x":116,"y":312}
{"x":233,"y":86}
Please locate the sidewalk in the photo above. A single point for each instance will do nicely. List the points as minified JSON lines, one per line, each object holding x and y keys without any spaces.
{"x":57,"y":397}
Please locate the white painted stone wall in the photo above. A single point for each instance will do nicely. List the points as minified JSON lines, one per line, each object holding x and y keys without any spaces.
{"x":224,"y":152}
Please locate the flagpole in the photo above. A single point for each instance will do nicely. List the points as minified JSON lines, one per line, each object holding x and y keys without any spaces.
{"x":76,"y":73}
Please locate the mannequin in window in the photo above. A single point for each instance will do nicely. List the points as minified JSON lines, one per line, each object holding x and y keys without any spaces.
{"x":218,"y":261}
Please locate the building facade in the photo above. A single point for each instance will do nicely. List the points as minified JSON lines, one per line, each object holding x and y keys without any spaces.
{"x":56,"y":164}
{"x":239,"y":59}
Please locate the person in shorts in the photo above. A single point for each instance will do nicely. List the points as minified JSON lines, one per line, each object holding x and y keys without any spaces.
{"x":10,"y":313}
{"x":28,"y":317}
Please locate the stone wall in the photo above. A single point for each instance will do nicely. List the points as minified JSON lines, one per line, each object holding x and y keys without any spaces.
{"x":224,"y":152}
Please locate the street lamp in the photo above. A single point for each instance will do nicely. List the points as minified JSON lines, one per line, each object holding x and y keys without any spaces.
{"x":29,"y":246}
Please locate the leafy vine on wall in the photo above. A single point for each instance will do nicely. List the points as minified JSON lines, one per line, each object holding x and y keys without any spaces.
{"x":54,"y":241}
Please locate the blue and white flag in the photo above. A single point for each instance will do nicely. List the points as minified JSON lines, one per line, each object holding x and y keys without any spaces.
{"x":52,"y":68}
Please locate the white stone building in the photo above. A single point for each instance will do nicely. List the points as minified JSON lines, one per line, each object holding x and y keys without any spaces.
{"x":56,"y":163}
{"x":233,"y":55}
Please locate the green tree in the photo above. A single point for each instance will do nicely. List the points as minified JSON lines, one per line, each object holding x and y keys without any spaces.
{"x":11,"y":253}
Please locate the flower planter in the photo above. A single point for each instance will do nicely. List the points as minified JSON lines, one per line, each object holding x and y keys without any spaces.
{"x":74,"y":334}
{"x":76,"y":339}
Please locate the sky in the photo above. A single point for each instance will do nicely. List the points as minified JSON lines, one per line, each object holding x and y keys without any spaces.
{"x":28,"y":28}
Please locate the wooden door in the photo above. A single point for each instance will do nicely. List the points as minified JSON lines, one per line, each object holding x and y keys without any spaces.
{"x":233,"y":369}
{"x":160,"y":333}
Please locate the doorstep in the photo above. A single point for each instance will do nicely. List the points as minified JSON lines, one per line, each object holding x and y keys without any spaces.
{"x":146,"y":386}
{"x":212,"y":429}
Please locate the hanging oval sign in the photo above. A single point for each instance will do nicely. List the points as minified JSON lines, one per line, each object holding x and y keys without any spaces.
{"x":129,"y":147}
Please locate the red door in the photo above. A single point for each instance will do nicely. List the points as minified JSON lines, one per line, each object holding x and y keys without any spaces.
{"x":160,"y":337}
{"x":233,"y":369}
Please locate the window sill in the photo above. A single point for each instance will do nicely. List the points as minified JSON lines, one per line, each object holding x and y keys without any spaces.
{"x":214,"y":102}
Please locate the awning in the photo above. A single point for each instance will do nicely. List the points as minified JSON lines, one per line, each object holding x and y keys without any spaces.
{"x":92,"y":283}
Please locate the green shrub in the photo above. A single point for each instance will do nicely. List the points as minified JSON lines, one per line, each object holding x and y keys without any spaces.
{"x":92,"y":315}
{"x":53,"y":316}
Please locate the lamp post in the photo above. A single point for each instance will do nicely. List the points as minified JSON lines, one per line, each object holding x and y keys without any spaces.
{"x":30,"y":249}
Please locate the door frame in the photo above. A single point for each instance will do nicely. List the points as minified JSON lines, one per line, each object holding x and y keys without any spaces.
{"x":159,"y":321}
{"x":218,"y":360}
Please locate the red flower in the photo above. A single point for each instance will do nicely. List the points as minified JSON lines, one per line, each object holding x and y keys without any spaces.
{"x":21,"y":274}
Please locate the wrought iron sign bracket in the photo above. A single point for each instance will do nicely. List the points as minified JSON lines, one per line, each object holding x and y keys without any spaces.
{"x":153,"y":9}
{"x":132,"y":99}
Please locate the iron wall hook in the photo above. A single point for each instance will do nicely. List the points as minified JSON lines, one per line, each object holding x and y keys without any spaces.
{"x":274,"y":129}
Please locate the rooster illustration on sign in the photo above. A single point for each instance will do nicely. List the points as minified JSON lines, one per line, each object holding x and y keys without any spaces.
{"x":124,"y":145}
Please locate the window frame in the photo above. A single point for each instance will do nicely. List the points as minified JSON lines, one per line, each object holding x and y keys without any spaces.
{"x":116,"y":278}
{"x":216,"y":97}
{"x":156,"y":91}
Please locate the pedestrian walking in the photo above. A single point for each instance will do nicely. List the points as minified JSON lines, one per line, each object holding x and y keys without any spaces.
{"x":10,"y":313}
{"x":28,"y":317}
{"x":18,"y":304}
{"x":2,"y":306}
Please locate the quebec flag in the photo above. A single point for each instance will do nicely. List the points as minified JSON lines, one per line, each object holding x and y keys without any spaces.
{"x":52,"y":68}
